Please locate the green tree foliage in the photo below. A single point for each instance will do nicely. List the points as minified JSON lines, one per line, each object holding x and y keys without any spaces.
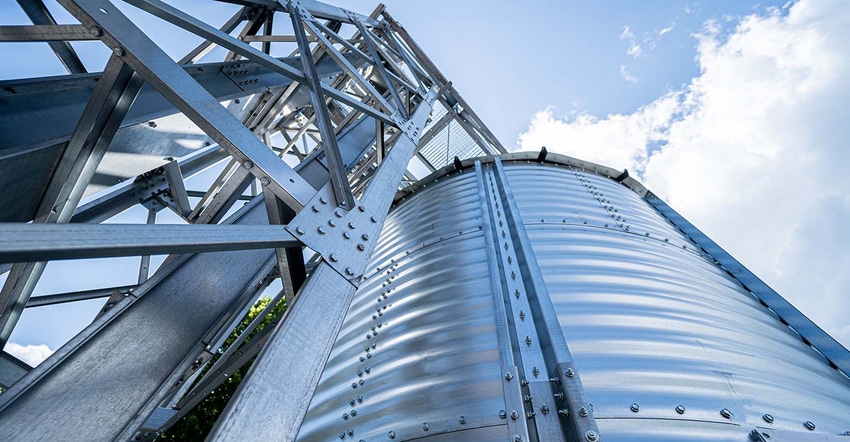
{"x":197,"y":423}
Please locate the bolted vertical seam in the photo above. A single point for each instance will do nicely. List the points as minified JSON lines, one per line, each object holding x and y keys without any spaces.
{"x":510,"y":375}
{"x":559,"y":361}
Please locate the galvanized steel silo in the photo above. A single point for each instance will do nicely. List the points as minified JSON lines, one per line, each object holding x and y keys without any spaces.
{"x":538,"y":297}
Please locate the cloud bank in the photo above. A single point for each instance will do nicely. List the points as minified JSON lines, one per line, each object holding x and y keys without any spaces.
{"x":753,"y":151}
{"x":31,"y":354}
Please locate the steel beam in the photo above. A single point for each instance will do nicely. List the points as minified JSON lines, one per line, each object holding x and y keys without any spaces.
{"x":40,"y":15}
{"x":49,"y":33}
{"x":45,"y":242}
{"x":83,"y":295}
{"x":339,"y":179}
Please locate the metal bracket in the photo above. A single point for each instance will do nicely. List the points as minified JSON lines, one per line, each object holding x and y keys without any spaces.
{"x":157,"y":419}
{"x":116,"y":297}
{"x":242,"y":74}
{"x":579,"y":412}
{"x":344,"y":238}
{"x":514,"y":411}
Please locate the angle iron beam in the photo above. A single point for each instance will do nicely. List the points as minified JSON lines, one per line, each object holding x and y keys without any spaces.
{"x":339,"y":179}
{"x":290,"y":260}
{"x":40,"y":15}
{"x":836,"y":355}
{"x":145,"y":264}
{"x":256,"y":19}
{"x":45,"y":33}
{"x":44,"y":242}
{"x":370,"y":45}
{"x":177,"y":188}
{"x":204,"y":48}
{"x":83,"y":295}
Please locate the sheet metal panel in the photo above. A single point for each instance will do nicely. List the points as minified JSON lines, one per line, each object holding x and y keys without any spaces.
{"x":658,"y":325}
{"x":418,"y":349}
{"x":649,"y":318}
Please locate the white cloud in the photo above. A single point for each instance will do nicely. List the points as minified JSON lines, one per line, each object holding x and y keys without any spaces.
{"x":634,"y":49}
{"x":663,"y":31}
{"x":753,"y":150}
{"x":626,"y":75}
{"x":31,"y":354}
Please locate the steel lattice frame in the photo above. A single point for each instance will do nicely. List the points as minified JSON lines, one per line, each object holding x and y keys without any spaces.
{"x":331,"y":133}
{"x":353,"y":110}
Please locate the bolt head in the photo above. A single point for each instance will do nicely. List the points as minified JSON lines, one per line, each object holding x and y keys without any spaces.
{"x":462,"y":420}
{"x":726,"y":413}
{"x":635,"y":407}
{"x":582,"y":412}
{"x":118,"y":51}
{"x":809,"y":425}
{"x":321,"y":230}
{"x":95,"y":31}
{"x":265,"y":181}
{"x":570,"y":373}
{"x":349,"y":271}
{"x":391,"y":434}
{"x":247,"y":164}
{"x":323,"y":200}
{"x":299,"y":230}
{"x":503,"y":414}
{"x":425,"y":426}
{"x":509,"y":376}
{"x":680,"y":409}
{"x":361,"y":247}
{"x":517,"y":438}
{"x":768,"y":418}
{"x":334,"y":258}
{"x":351,"y":225}
{"x":591,"y":436}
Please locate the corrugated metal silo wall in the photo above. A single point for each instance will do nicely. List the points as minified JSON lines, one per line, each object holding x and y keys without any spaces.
{"x":664,"y":341}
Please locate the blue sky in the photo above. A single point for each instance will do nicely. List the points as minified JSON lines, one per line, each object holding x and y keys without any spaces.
{"x":734,"y":111}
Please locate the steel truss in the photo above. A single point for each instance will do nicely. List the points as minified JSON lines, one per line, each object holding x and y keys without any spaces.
{"x":328,"y":133}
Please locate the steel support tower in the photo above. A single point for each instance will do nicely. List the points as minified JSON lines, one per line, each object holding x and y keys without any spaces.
{"x":521,"y":297}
